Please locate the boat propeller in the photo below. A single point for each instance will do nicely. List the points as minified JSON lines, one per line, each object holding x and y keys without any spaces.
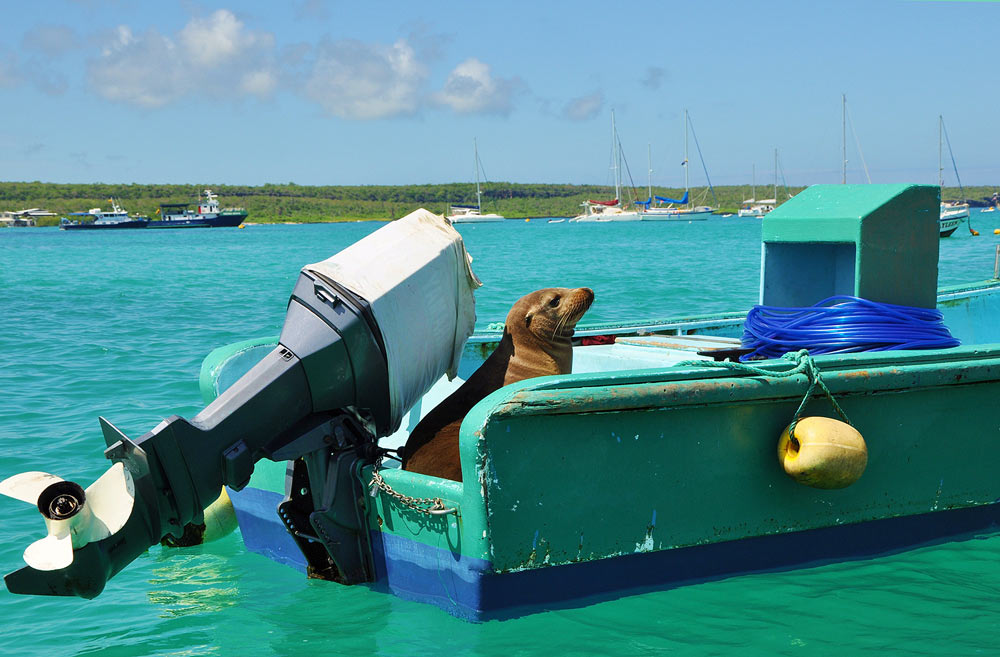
{"x":74,"y":516}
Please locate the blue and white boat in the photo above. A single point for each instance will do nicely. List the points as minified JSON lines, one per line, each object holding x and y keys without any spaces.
{"x":609,"y":211}
{"x":97,"y":219}
{"x":208,"y":214}
{"x":473,"y":214}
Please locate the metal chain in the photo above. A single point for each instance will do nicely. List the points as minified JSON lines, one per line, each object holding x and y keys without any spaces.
{"x":432,"y":506}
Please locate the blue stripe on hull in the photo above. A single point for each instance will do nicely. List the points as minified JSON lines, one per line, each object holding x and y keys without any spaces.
{"x":572,"y":585}
{"x":465,"y":587}
{"x":424,"y":573}
{"x":263,"y":533}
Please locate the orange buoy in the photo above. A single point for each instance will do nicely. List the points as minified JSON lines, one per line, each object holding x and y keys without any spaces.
{"x":823,"y":453}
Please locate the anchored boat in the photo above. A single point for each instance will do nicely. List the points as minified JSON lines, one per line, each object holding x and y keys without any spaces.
{"x":473,"y":214}
{"x":605,"y":211}
{"x":208,"y":214}
{"x":97,"y":219}
{"x":656,"y":462}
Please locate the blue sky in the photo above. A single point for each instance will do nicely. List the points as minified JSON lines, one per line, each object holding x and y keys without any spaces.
{"x":327,"y":92}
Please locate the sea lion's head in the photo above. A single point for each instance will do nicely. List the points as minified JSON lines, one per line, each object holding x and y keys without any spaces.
{"x":549,"y":315}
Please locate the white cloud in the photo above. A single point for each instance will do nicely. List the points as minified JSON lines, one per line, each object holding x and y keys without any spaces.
{"x":355,"y":80}
{"x":219,"y":39}
{"x":472,"y":89}
{"x":216,"y":55}
{"x":584,"y":107}
{"x":259,"y":83}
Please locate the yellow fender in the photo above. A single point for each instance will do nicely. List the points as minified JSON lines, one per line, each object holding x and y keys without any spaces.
{"x":220,"y":520}
{"x":824,"y":453}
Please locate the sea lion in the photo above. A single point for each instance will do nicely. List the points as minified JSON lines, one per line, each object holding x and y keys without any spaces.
{"x":536,"y":342}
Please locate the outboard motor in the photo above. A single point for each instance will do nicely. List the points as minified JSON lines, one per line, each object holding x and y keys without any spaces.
{"x":366,"y":334}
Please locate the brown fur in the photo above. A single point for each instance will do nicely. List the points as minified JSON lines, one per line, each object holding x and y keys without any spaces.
{"x":536,"y":342}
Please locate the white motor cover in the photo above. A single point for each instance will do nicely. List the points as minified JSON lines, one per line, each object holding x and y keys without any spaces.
{"x":416,"y":275}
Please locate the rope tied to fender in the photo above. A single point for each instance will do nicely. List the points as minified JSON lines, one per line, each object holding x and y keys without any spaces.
{"x":804,"y":364}
{"x":432,"y":506}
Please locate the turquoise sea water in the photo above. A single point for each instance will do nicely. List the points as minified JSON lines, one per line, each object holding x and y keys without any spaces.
{"x":117,"y":323}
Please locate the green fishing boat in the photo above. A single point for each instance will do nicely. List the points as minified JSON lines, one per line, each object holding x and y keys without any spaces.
{"x":661,"y":459}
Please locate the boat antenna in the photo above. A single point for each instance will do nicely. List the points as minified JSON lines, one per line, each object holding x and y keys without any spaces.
{"x":700,"y":157}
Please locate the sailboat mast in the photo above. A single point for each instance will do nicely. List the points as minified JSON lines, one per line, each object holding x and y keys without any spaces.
{"x":479,"y":196}
{"x":940,"y":151}
{"x":753,"y":181}
{"x":616,"y":157}
{"x":843,"y":140}
{"x":649,"y":169}
{"x":687,"y":185}
{"x":776,"y":176}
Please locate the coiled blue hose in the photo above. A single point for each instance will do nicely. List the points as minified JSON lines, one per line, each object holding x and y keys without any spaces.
{"x":842,"y":324}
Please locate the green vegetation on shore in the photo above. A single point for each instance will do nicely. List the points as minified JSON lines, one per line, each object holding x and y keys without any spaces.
{"x":306,"y":204}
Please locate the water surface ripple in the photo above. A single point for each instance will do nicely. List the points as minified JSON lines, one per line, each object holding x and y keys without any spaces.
{"x":117,"y":323}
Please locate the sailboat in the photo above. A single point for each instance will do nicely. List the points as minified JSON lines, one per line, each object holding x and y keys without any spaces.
{"x":953,"y":213}
{"x":473,"y":214}
{"x":603,"y":211}
{"x":672,"y":211}
{"x":756,"y":208}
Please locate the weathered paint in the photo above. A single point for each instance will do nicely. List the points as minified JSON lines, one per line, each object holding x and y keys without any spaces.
{"x":705,"y":450}
{"x":612,"y":473}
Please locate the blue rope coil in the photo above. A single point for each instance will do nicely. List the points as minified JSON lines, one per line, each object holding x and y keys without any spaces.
{"x":842,"y":324}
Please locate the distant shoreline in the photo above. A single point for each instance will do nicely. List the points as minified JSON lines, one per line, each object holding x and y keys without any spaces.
{"x":299,"y":204}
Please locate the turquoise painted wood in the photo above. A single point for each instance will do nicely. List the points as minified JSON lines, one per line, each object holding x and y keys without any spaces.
{"x":595,"y":466}
{"x":879,"y":242}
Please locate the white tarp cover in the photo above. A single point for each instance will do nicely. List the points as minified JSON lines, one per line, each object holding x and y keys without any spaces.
{"x":416,"y":275}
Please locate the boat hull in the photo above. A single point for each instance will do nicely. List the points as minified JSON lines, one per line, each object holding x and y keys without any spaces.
{"x":951,"y":218}
{"x":222,"y":220}
{"x":677,"y":214}
{"x":122,"y":225}
{"x":606,"y":217}
{"x":475,"y":219}
{"x":683,"y":480}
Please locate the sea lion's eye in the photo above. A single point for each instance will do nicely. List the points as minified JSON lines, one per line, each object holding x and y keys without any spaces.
{"x":554,"y":302}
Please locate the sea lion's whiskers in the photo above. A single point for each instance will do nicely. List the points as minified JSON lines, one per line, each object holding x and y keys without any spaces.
{"x":559,"y":326}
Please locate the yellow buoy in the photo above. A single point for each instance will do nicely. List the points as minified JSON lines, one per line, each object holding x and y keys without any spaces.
{"x":996,"y":231}
{"x":823,"y":453}
{"x":527,"y":218}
